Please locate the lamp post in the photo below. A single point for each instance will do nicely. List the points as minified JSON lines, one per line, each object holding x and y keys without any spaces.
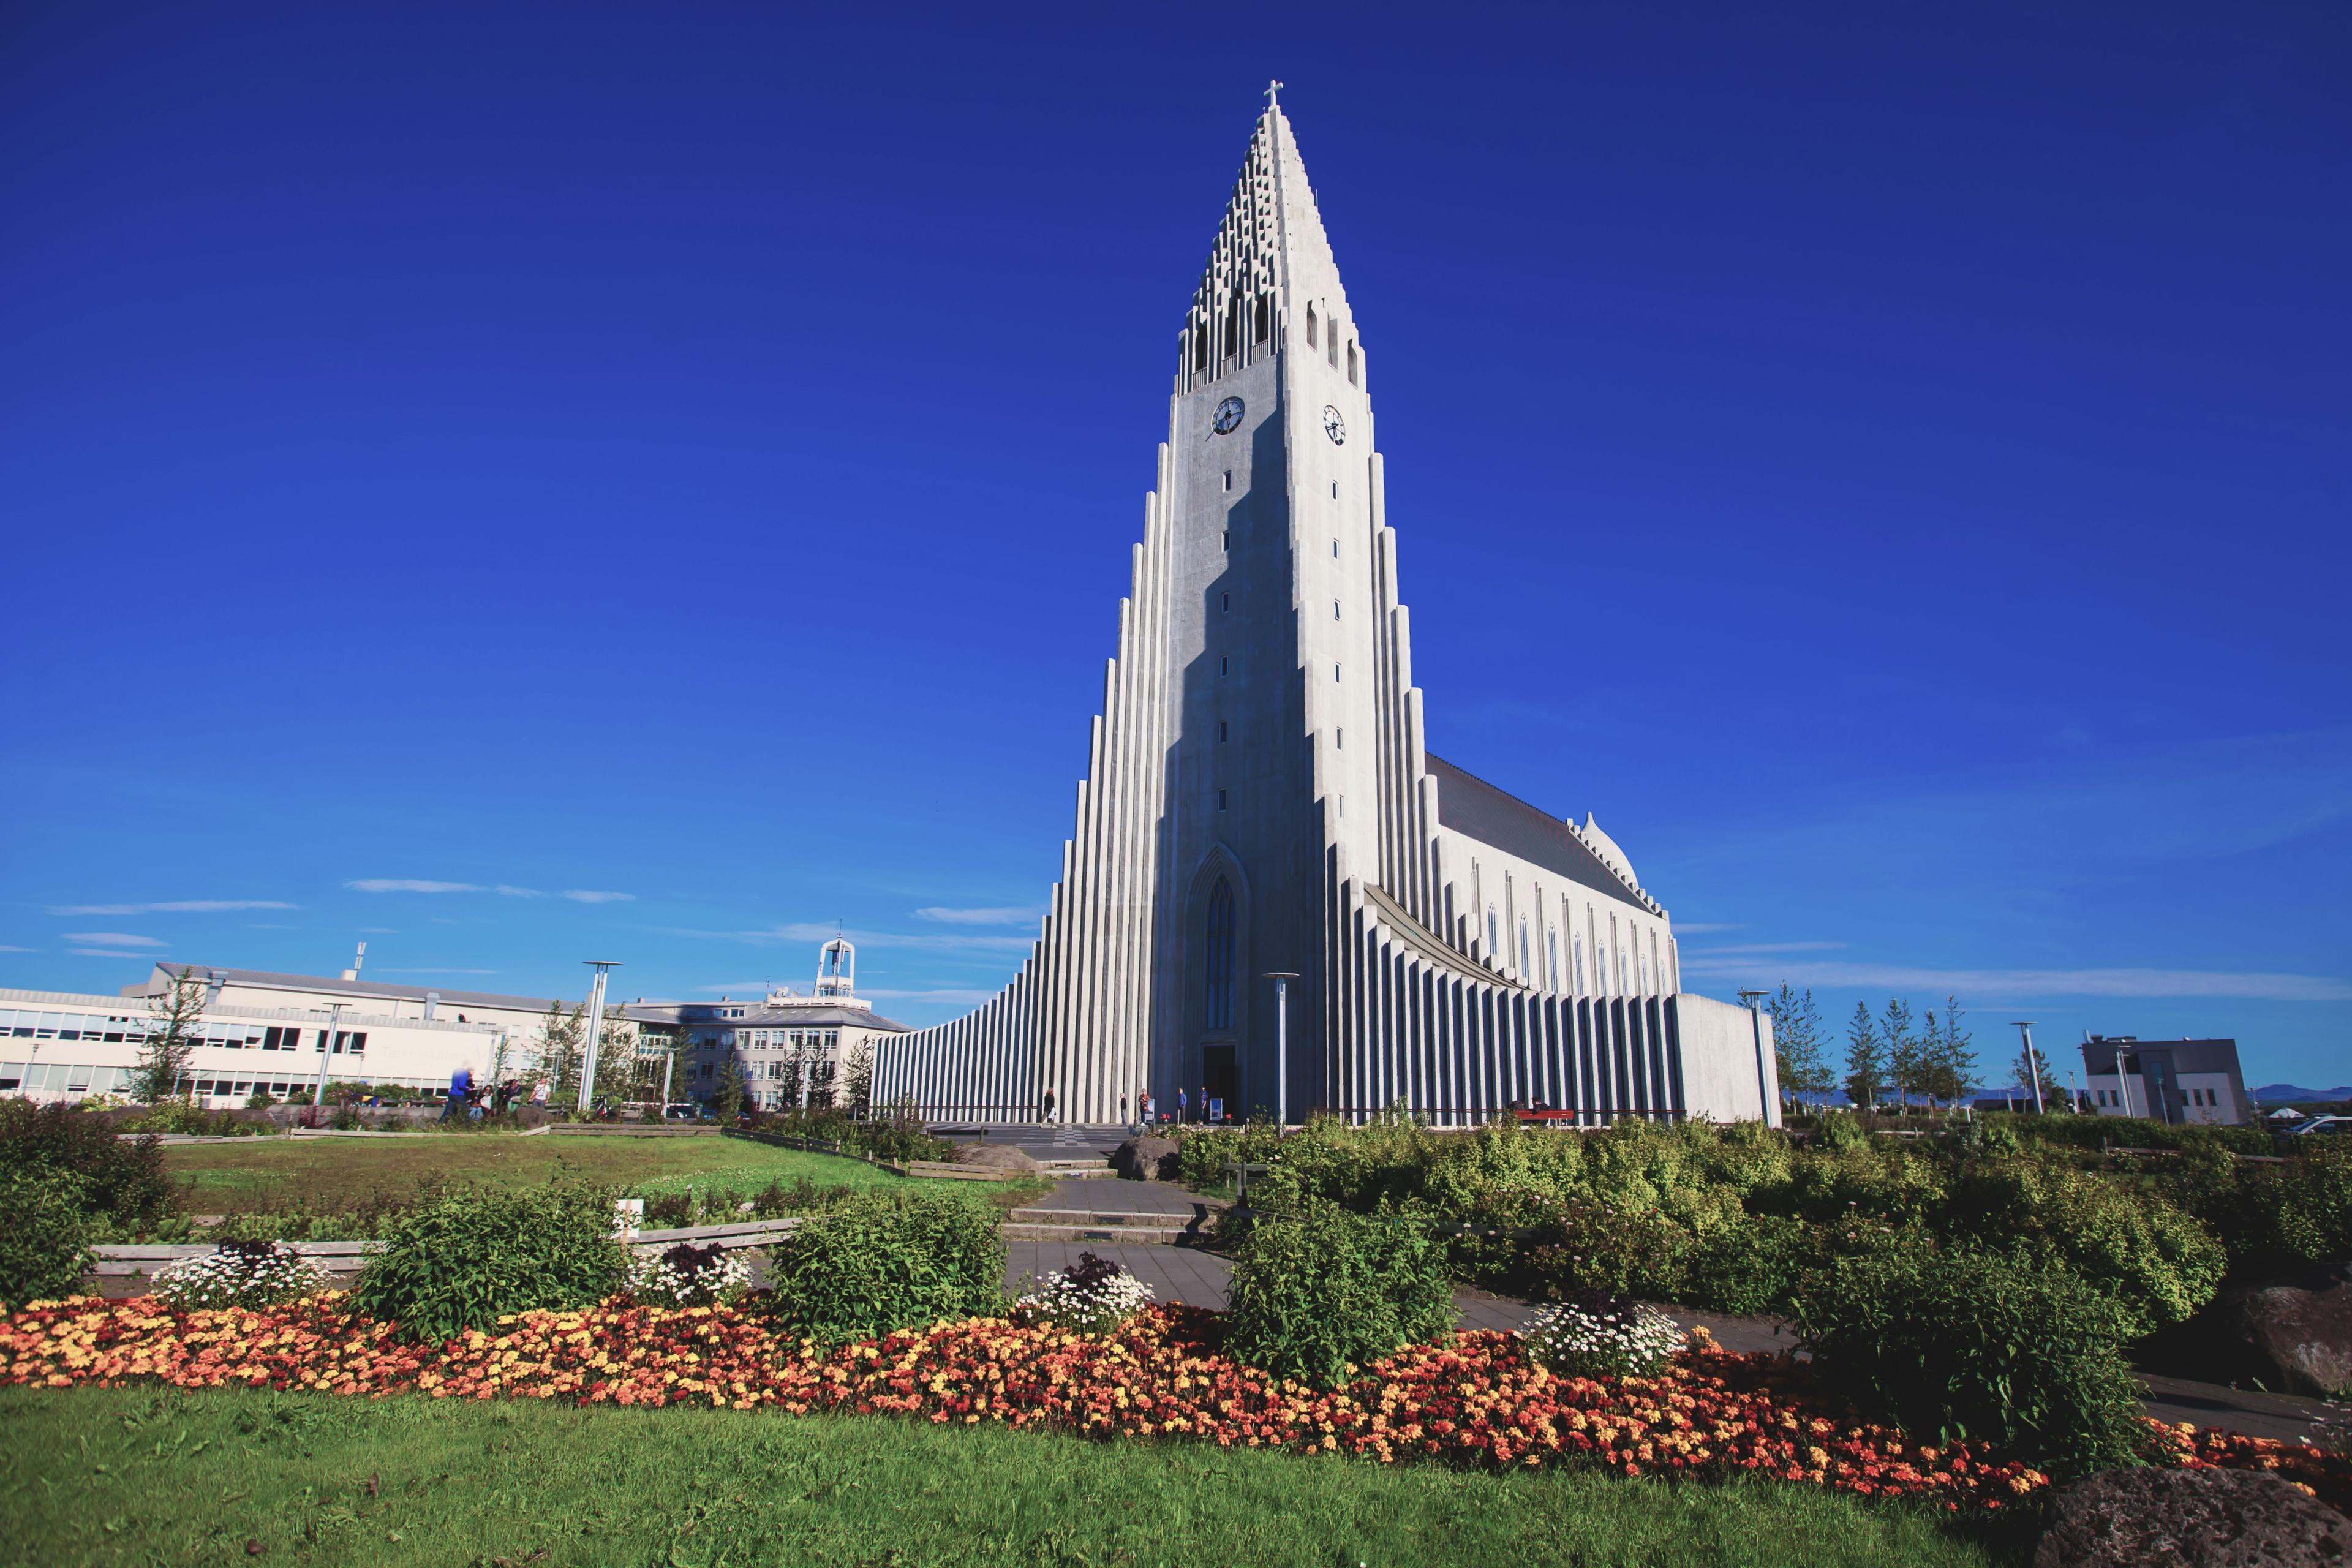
{"x":602,"y":966}
{"x":1282,"y":979}
{"x":1756,"y":1030}
{"x":2033,"y":1068}
{"x":326,"y":1051}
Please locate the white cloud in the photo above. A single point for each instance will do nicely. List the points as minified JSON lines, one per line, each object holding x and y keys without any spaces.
{"x":177,"y":907}
{"x":1689,"y":954}
{"x":2022,"y":983}
{"x":589,"y":896}
{"x":114,"y":939}
{"x":108,"y":953}
{"x":5,"y":948}
{"x":1006,"y":916}
{"x":424,"y":885}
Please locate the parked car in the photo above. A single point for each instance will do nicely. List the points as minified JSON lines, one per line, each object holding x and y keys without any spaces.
{"x":686,"y":1111}
{"x":2340,"y":1126}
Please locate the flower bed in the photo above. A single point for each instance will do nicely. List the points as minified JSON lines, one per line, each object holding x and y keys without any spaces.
{"x":1481,"y":1401}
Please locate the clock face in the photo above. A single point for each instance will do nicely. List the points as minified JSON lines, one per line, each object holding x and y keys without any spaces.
{"x":1229,"y":414}
{"x":1334,"y":426}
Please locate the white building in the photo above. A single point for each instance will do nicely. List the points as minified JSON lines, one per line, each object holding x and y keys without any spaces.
{"x":1258,"y":798}
{"x":57,"y":1045}
{"x":791,"y":1049}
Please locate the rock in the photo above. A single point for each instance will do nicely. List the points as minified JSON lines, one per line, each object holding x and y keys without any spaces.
{"x":2305,"y":1336}
{"x":1001,"y":1156}
{"x":2190,"y":1518}
{"x":1145,"y":1159}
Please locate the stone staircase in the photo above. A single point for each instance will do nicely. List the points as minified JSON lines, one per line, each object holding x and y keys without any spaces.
{"x":1150,"y":1214}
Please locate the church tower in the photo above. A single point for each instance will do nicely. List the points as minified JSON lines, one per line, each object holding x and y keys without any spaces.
{"x":1258,"y":798}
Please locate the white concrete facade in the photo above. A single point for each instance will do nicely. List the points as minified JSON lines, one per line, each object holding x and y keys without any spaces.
{"x":1258,"y":798}
{"x":57,"y":1045}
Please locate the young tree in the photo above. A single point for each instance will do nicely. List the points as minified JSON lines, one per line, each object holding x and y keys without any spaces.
{"x":560,"y":1038}
{"x":1866,"y":1062}
{"x":732,"y":1089}
{"x":1902,"y":1050}
{"x":1951,"y":1055}
{"x":176,"y":1021}
{"x":1797,"y":1042}
{"x":2032,"y":1065}
{"x":858,"y":1078}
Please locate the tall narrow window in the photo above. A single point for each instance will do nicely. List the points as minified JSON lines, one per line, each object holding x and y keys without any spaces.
{"x":1494,"y":933}
{"x":1334,"y":550}
{"x":1224,"y":601}
{"x":1220,"y":731}
{"x":1229,"y":479}
{"x":1335,"y":672}
{"x":1220,"y":955}
{"x":1335,"y":609}
{"x":1331,"y":348}
{"x":1551,"y":959}
{"x":1335,"y":489}
{"x":1576,"y":954}
{"x":1228,"y":539}
{"x":1264,"y":323}
{"x":1351,"y":363}
{"x":1224,"y":665}
{"x":1338,"y":740}
{"x":1310,"y":324}
{"x":1527,"y":957}
{"x":1221,"y":800}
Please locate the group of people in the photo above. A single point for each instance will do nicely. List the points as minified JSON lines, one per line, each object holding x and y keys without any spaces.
{"x":1148,"y":1109}
{"x":470,"y":1101}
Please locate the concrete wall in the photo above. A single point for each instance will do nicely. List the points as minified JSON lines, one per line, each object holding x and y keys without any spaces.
{"x":1719,"y":1062}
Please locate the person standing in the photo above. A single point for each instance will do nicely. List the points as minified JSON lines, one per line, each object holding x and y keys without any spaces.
{"x":1122,"y":1110}
{"x":1204,"y":1102}
{"x":1049,"y":1107}
{"x":1183,"y":1107}
{"x":461,"y":1089}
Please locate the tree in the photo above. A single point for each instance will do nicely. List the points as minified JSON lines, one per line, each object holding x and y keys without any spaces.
{"x":1949,"y":1057}
{"x":858,"y":1078}
{"x":1902,"y":1050}
{"x":732,"y":1087}
{"x":2033,"y":1064}
{"x":1865,"y":1063}
{"x":1797,"y":1042}
{"x":175,"y":1022}
{"x":557,"y":1045}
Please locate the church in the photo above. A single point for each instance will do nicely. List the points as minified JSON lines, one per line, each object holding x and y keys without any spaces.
{"x":1275,"y":897}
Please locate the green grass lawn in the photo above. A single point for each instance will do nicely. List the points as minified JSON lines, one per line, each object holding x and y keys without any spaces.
{"x":336,"y":1173}
{"x":105,"y":1476}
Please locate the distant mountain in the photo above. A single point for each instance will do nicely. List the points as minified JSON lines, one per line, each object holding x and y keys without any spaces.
{"x":2286,"y":1093}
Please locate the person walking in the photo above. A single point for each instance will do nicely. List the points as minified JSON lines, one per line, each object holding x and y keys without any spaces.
{"x":1122,"y":1110}
{"x":1049,"y":1107}
{"x":461,"y":1089}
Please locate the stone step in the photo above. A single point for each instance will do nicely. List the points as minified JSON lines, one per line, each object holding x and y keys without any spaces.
{"x":1104,"y":1218}
{"x":1125,"y":1235}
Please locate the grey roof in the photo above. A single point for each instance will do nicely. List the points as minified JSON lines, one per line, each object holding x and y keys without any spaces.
{"x":265,"y":979}
{"x":757,"y":1017}
{"x":1477,"y":810}
{"x":2186,"y":1056}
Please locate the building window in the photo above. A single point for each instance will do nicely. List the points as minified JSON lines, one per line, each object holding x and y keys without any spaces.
{"x":1334,"y":550}
{"x":1224,"y":601}
{"x":1526,"y":955}
{"x":1224,"y":665}
{"x":1228,"y":539}
{"x":1221,"y":800}
{"x":1310,"y":324}
{"x":1264,"y":319}
{"x":1331,"y":347}
{"x":1351,"y":362}
{"x":1220,"y":955}
{"x":1335,"y":609}
{"x":1339,"y":740}
{"x":1552,"y":958}
{"x":1335,"y":489}
{"x":1494,"y":933}
{"x":1229,"y":479}
{"x":1335,"y":672}
{"x":1220,"y":731}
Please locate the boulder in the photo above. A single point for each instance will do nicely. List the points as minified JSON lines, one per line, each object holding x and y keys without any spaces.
{"x":2190,"y":1518}
{"x":1000,"y":1156}
{"x":1145,"y":1159}
{"x":2303,"y":1336}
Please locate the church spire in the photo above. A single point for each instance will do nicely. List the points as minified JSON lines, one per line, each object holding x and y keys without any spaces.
{"x":1269,"y":260}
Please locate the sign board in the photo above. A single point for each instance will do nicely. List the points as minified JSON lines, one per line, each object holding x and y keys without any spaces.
{"x":1216,"y":1111}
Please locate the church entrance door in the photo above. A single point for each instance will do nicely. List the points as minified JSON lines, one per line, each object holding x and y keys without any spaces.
{"x":1217,"y":1075}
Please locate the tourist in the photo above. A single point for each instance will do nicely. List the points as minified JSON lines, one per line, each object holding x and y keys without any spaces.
{"x":538,"y":1094}
{"x":1049,"y":1105}
{"x":461,"y":1089}
{"x":1183,"y":1105}
{"x":1122,"y":1110}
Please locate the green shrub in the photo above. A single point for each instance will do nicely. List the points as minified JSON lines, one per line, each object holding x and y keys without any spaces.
{"x":1749,"y":1266}
{"x":2152,"y":1258}
{"x":1612,"y":1248}
{"x":464,"y":1259}
{"x":1977,"y":1347}
{"x":890,"y":1260}
{"x":120,"y":1178}
{"x":1316,"y":1296}
{"x":44,"y":1246}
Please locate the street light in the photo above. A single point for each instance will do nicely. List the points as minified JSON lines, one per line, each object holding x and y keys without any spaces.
{"x":326,"y":1051}
{"x":1756,"y":1028}
{"x":1282,"y":979}
{"x":602,"y":966}
{"x":2033,"y":1068}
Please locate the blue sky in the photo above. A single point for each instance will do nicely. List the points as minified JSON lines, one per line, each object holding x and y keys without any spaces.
{"x":523,"y":484}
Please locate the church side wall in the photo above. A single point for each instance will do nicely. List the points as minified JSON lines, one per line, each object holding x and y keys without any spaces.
{"x":1719,"y":1062}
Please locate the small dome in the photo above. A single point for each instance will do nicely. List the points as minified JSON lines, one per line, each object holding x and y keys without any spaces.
{"x":1606,"y":847}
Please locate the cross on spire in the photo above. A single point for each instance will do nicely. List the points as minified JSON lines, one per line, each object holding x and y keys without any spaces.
{"x":1271,"y":89}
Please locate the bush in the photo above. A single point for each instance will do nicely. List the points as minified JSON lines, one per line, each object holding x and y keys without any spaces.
{"x":44,"y":1246}
{"x":1093,"y":1296}
{"x":1583,"y":1247}
{"x":179,"y":1116}
{"x":1601,"y":1335}
{"x":1979,"y":1347}
{"x":890,"y":1260}
{"x":1317,"y":1297}
{"x":463,"y":1259}
{"x":2152,"y":1258}
{"x":240,"y":1274}
{"x":120,"y":1178}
